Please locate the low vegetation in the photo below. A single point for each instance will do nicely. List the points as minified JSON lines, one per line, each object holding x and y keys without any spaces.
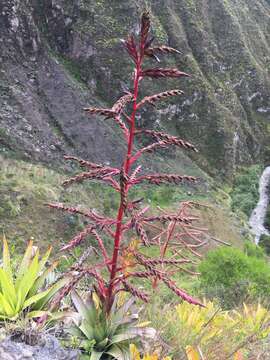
{"x":244,"y":193}
{"x":212,"y":333}
{"x":233,"y":276}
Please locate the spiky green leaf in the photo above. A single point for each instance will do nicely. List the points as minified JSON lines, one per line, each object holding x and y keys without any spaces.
{"x":88,"y":312}
{"x":51,"y":292}
{"x":24,"y":263}
{"x":119,"y":352}
{"x":96,"y":355}
{"x":39,"y":283}
{"x":35,"y":298}
{"x":29,"y":277}
{"x":7,"y":309}
{"x":6,"y":259}
{"x":122,"y":337}
{"x":8,"y":289}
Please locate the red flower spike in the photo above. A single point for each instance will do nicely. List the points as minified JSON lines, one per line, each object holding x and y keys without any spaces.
{"x":181,"y":293}
{"x":84,"y":163}
{"x":121,"y":103}
{"x":175,"y":235}
{"x":135,"y":292}
{"x":145,"y":27}
{"x":131,"y":47}
{"x":161,"y":96}
{"x":108,"y":113}
{"x":158,"y":179}
{"x":152,"y":51}
{"x":79,"y":238}
{"x":161,"y":73}
{"x":168,"y":139}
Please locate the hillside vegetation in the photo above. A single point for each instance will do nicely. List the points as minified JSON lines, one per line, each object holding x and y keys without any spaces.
{"x":73,"y":48}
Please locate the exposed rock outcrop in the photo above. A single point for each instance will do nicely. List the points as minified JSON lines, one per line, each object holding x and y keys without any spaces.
{"x":50,"y":349}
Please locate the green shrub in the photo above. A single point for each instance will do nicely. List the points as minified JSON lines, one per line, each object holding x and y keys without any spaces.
{"x":244,"y":193}
{"x":252,"y":249}
{"x":232,"y":276}
{"x":265,"y":243}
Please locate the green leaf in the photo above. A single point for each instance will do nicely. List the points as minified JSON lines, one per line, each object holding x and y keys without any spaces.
{"x":95,"y":355}
{"x":44,"y":259}
{"x":101,"y":331}
{"x":24,"y":263}
{"x":102,"y":344}
{"x":6,"y":306}
{"x":8,"y":289}
{"x":36,"y":314}
{"x":6,"y":258}
{"x":76,"y":331}
{"x":51,"y":292}
{"x":122,"y":337}
{"x":118,"y":315}
{"x":28,"y":278}
{"x":41,"y":279}
{"x":119,"y":353}
{"x":19,"y":301}
{"x":87,"y":329}
{"x":33,"y":299}
{"x":60,"y":315}
{"x":4,"y":317}
{"x":88,"y":312}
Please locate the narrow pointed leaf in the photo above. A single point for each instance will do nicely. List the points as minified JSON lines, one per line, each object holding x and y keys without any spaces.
{"x":95,"y":355}
{"x":51,"y":292}
{"x":118,"y":353}
{"x":119,"y":314}
{"x":103,"y":343}
{"x":36,"y":314}
{"x":76,"y":331}
{"x":87,"y":312}
{"x":29,"y":277}
{"x":33,"y":299}
{"x":44,"y":259}
{"x":6,"y":306}
{"x":19,"y":301}
{"x":122,"y":337}
{"x":87,"y":329}
{"x":6,"y":258}
{"x":8,"y":288}
{"x":41,"y":279}
{"x":25,"y":263}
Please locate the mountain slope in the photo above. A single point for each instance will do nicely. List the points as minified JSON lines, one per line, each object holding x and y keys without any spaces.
{"x":58,"y":56}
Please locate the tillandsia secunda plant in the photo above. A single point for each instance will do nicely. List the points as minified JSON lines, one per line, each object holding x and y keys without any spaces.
{"x":174,"y":235}
{"x":23,"y":293}
{"x":103,"y":335}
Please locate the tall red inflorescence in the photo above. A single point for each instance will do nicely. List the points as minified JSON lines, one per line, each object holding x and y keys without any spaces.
{"x":175,"y":232}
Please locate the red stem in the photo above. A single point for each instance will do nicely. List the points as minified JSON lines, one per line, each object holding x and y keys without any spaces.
{"x":127,"y":164}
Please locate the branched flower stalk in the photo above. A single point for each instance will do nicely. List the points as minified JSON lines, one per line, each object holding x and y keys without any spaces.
{"x":174,"y":234}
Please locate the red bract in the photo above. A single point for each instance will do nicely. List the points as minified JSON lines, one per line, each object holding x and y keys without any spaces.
{"x":174,"y":231}
{"x":162,"y":73}
{"x":157,"y":97}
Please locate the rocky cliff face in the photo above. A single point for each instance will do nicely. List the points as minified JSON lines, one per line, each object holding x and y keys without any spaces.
{"x":57,"y":56}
